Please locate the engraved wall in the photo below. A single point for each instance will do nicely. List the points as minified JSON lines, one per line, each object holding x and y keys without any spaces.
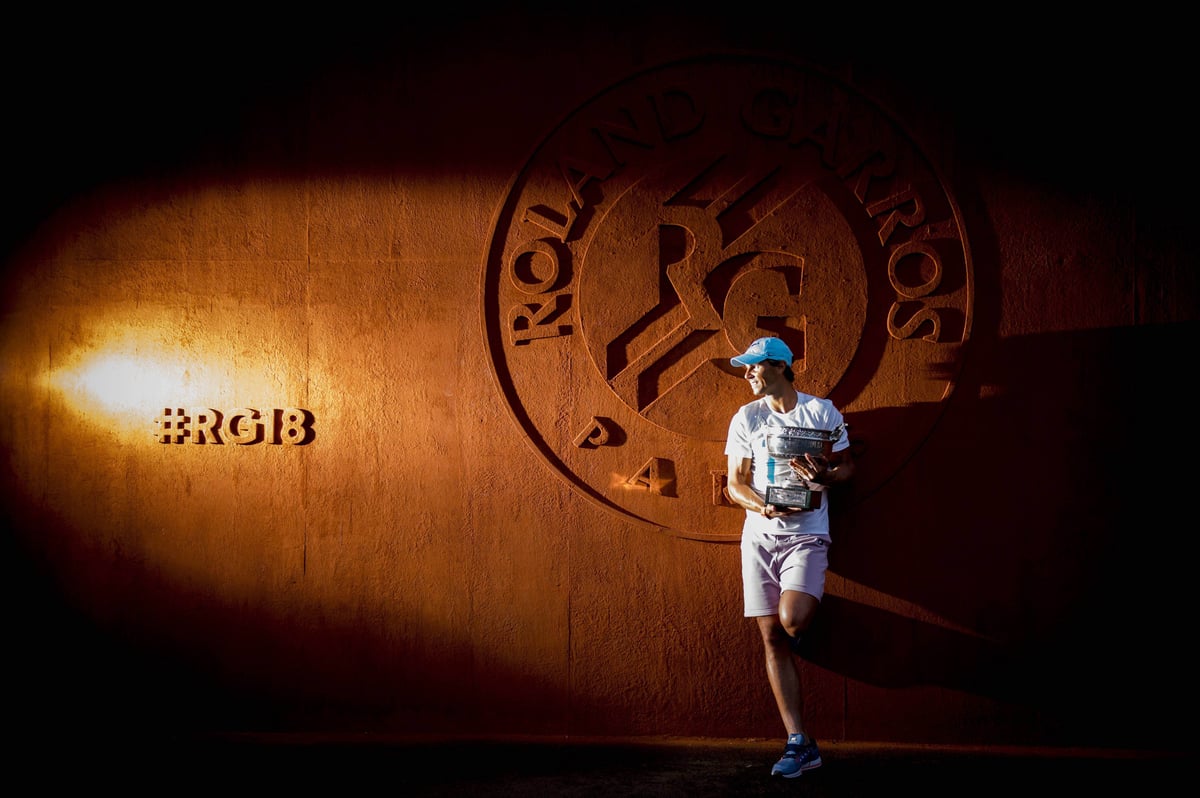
{"x":450,"y":308}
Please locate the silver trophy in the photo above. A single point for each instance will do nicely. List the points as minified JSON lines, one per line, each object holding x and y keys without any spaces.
{"x":786,"y":443}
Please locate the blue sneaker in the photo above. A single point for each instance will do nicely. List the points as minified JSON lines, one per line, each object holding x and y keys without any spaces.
{"x":798,"y":757}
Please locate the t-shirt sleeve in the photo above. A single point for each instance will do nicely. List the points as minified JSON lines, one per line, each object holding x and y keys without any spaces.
{"x":737,"y":442}
{"x":843,"y":441}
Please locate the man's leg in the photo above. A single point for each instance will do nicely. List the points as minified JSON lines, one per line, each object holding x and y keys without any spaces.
{"x":800,"y":752}
{"x":782,"y":673}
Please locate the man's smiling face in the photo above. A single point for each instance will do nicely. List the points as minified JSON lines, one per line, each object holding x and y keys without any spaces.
{"x":765,"y":376}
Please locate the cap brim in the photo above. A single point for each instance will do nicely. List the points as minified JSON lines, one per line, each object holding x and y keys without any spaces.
{"x":747,"y":360}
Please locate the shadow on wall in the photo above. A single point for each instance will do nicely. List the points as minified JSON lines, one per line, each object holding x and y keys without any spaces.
{"x":160,"y":659}
{"x":1051,"y":519}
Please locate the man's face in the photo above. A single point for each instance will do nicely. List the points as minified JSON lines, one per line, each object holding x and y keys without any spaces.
{"x":764,"y":376}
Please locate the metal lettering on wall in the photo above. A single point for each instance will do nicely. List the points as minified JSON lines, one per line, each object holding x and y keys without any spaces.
{"x":243,"y":426}
{"x":687,"y":211}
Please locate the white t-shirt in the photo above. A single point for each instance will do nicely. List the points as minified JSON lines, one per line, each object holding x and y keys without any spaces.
{"x":748,"y":438}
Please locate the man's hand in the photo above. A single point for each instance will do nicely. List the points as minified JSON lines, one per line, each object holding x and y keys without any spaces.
{"x":812,"y":468}
{"x":775,"y":511}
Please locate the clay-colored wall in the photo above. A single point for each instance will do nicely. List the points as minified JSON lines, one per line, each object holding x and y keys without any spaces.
{"x":481,"y":529}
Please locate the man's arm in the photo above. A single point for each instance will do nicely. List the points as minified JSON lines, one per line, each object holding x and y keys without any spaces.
{"x":738,"y":482}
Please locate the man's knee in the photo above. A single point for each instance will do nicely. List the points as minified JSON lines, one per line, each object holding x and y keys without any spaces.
{"x":796,"y":611}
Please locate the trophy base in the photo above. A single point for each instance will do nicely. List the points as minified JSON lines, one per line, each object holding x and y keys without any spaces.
{"x":793,"y":498}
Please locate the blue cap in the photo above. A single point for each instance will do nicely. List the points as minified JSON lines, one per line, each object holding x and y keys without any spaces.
{"x":764,"y":349}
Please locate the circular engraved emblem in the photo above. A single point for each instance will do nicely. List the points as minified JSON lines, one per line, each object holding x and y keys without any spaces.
{"x":681,"y":214}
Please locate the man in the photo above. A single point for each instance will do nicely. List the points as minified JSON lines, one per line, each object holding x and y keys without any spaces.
{"x":784,"y":550}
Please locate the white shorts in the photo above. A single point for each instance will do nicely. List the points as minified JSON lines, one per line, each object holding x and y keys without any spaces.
{"x":772,"y":564}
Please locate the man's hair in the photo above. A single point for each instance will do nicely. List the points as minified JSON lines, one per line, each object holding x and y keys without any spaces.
{"x":788,"y":374}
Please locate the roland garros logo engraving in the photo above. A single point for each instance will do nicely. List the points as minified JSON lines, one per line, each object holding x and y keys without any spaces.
{"x":683,"y":213}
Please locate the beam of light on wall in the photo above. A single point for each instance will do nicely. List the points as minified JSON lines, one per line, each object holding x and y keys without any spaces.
{"x":123,"y":383}
{"x":123,"y":391}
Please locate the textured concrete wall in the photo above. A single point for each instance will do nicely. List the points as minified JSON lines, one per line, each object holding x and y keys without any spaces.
{"x":451,"y":302}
